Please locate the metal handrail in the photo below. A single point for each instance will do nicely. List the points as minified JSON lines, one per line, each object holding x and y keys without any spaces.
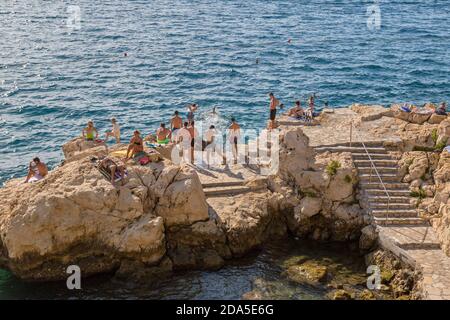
{"x":372,"y":167}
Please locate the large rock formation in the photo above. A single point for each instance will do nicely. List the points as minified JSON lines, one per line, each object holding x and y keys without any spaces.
{"x":75,"y":216}
{"x":316,"y":192}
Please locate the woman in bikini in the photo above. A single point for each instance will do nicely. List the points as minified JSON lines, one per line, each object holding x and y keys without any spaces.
{"x":136,"y":145}
{"x":90,"y":133}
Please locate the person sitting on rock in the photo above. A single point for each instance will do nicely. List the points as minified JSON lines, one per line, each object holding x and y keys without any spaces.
{"x":442,"y":110}
{"x":136,"y":145}
{"x":296,"y":111}
{"x":90,"y":133}
{"x":37,"y":171}
{"x":162,"y":134}
{"x":113,"y":165}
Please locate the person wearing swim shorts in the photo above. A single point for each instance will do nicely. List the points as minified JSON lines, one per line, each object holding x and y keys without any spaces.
{"x":175,"y":125}
{"x":191,"y":109}
{"x":136,"y":145}
{"x":162,"y":134}
{"x":115,"y":132}
{"x":234,"y":133}
{"x":210,"y":136}
{"x":90,"y":133}
{"x":37,"y":170}
{"x":194,"y":134}
{"x":184,"y":139}
{"x":274,"y":102}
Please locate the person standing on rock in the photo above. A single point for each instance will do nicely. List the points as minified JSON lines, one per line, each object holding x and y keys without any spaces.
{"x":234,"y":133}
{"x":274,"y":103}
{"x":184,"y":140}
{"x":175,"y":124}
{"x":210,"y":145}
{"x":191,"y":109}
{"x":37,"y":171}
{"x":194,"y":134}
{"x":115,"y":132}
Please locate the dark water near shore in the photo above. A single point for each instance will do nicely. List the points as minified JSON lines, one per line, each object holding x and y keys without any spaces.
{"x":261,"y":271}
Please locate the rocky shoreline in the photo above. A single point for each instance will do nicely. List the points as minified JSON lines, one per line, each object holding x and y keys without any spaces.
{"x":160,"y":219}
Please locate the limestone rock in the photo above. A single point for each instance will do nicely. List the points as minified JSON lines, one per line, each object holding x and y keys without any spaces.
{"x":309,"y":272}
{"x":436,"y":118}
{"x":368,"y":238}
{"x":75,"y":216}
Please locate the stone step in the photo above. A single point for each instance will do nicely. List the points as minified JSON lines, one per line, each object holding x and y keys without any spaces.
{"x":400,"y":221}
{"x":377,"y":162}
{"x":375,"y":184}
{"x":412,"y":237}
{"x":226,"y":191}
{"x":373,"y":156}
{"x":352,"y":149}
{"x":392,"y":205}
{"x":223,"y":184}
{"x":394,"y":213}
{"x":229,"y":191}
{"x":381,"y":170}
{"x":385,"y":177}
{"x":382,"y":198}
{"x":380,"y":193}
{"x":378,"y":144}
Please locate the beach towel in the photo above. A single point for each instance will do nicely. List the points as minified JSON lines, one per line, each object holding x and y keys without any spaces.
{"x":119,"y":153}
{"x":117,"y":177}
{"x":405,"y":109}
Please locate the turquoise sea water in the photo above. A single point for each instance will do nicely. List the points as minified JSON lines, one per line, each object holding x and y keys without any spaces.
{"x":54,"y":78}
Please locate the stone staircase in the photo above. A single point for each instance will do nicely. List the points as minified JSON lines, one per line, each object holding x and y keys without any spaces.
{"x":389,"y":202}
{"x":230,"y":188}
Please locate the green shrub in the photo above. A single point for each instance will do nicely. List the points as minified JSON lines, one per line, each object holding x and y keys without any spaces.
{"x":441,"y":145}
{"x":421,"y":194}
{"x":332,"y":167}
{"x":434,"y":135}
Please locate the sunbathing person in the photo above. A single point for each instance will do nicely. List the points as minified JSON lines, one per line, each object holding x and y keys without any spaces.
{"x":136,"y":145}
{"x":296,"y":111}
{"x":442,"y":110}
{"x":163,"y":134}
{"x":37,"y":171}
{"x":90,"y":133}
{"x":112,"y":165}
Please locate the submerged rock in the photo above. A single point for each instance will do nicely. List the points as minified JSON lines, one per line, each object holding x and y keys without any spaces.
{"x":309,"y":272}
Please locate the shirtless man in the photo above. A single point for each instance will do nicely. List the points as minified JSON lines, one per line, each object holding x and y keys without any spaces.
{"x":162,"y":134}
{"x":274,"y":102}
{"x":184,"y":139}
{"x":192,"y":108}
{"x":194,"y":134}
{"x":176,"y":123}
{"x":296,"y":111}
{"x":234,"y":132}
{"x":37,"y":170}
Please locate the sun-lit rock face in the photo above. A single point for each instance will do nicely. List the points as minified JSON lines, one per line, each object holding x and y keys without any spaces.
{"x":323,"y":205}
{"x":75,"y":216}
